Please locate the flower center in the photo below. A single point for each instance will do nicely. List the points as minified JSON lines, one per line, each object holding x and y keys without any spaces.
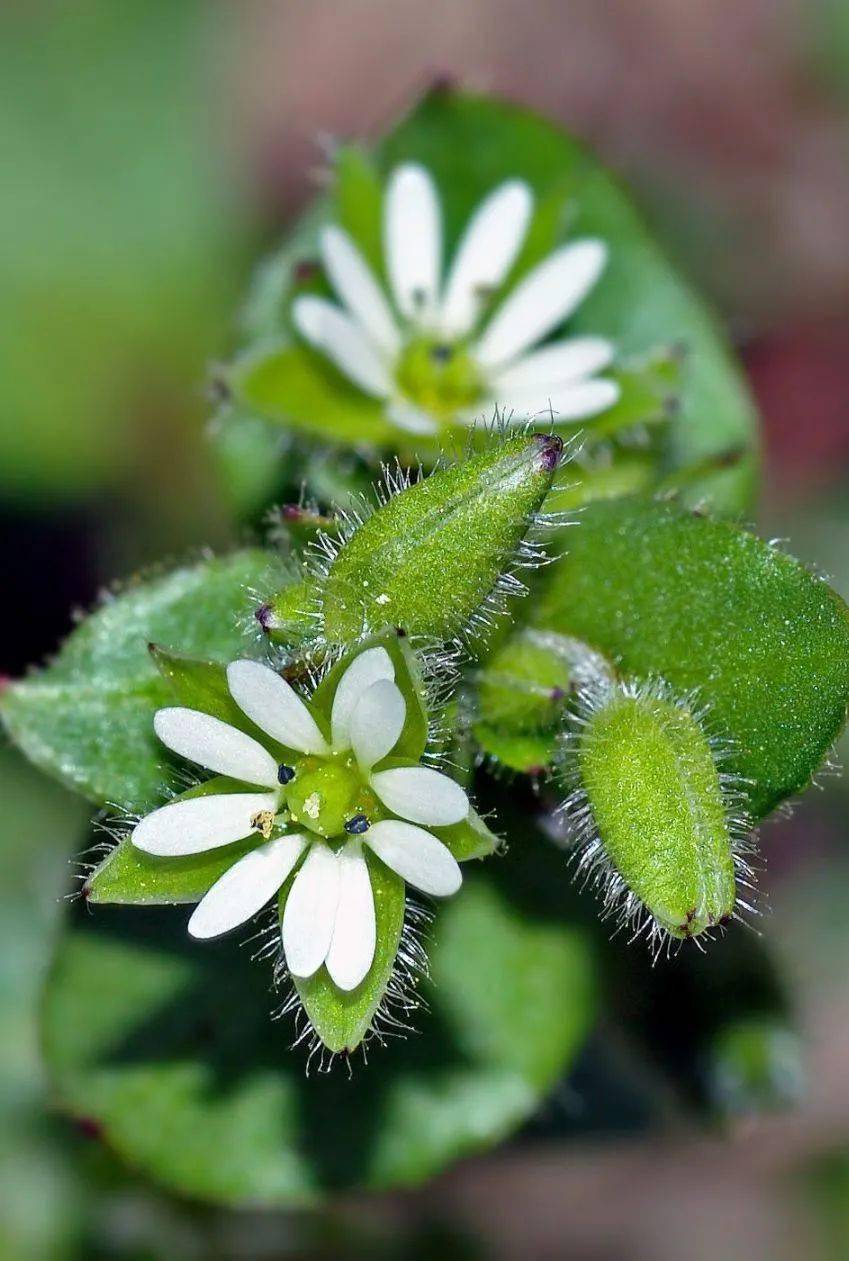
{"x":326,"y":793}
{"x":439,"y":376}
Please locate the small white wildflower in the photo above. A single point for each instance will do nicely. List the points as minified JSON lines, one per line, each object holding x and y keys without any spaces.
{"x":423,"y":353}
{"x":324,"y":808}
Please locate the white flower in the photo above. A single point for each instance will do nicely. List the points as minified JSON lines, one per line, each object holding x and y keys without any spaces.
{"x":320,"y":810}
{"x":423,"y":353}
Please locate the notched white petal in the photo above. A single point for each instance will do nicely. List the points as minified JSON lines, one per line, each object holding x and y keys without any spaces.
{"x":413,"y":241}
{"x":410,"y":418}
{"x":555,"y":365}
{"x":367,"y":668}
{"x":275,"y":707}
{"x":377,"y":722}
{"x":541,"y":301}
{"x":310,"y":911}
{"x":574,"y":401}
{"x":354,"y":931}
{"x":200,"y":823}
{"x":338,"y":336}
{"x":354,"y":282}
{"x":215,"y":745}
{"x":415,"y":855}
{"x":245,"y":887}
{"x":421,"y":795}
{"x":485,"y":254}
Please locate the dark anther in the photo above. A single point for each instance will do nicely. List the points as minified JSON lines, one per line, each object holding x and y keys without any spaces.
{"x":441,"y":353}
{"x":285,"y":773}
{"x":357,"y":825}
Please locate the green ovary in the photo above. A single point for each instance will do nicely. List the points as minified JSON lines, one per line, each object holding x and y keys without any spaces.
{"x":654,"y":790}
{"x":326,"y":793}
{"x":439,"y":377}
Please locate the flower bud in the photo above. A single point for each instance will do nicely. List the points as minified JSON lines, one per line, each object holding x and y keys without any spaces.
{"x":436,"y":557}
{"x":656,"y":821}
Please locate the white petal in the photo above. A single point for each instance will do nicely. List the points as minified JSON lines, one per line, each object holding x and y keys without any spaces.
{"x":245,"y":887}
{"x":311,"y":911}
{"x":215,"y":745}
{"x":421,"y":795}
{"x":411,"y":418}
{"x":554,"y":365}
{"x":377,"y":722}
{"x":333,"y":332}
{"x":354,"y":932}
{"x":485,"y":254}
{"x":367,"y":668}
{"x":541,"y":301}
{"x":352,"y":279}
{"x":417,"y":856}
{"x":200,"y":823}
{"x":274,"y":706}
{"x":565,"y":402}
{"x":413,"y":244}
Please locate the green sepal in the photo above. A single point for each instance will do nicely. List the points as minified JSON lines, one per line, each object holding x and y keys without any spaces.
{"x":471,"y":838}
{"x":650,"y":393}
{"x":128,"y":875}
{"x":523,"y":691}
{"x":87,"y":718}
{"x":342,"y":1019}
{"x":708,"y":606}
{"x":296,"y":386}
{"x":414,"y":735}
{"x":200,"y":685}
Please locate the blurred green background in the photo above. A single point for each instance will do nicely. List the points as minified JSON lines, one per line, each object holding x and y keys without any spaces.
{"x":151,"y":151}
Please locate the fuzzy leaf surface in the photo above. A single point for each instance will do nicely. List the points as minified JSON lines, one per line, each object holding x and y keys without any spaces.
{"x":707,"y":606}
{"x":193,"y":1085}
{"x":87,"y":717}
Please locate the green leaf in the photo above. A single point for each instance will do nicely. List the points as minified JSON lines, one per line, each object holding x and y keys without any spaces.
{"x":129,"y":876}
{"x":413,"y":739}
{"x":358,"y":203}
{"x":343,"y":1019}
{"x":298,"y":387}
{"x":471,"y":144}
{"x":191,"y":1083}
{"x":707,"y":606}
{"x":87,"y":718}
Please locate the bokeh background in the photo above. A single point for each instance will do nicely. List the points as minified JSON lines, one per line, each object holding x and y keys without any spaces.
{"x":151,"y":151}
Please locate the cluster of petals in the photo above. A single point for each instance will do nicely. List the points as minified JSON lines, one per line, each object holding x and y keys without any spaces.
{"x":365,"y":335}
{"x":329,"y":915}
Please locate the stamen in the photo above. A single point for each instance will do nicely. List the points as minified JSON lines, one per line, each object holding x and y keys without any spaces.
{"x":357,"y":825}
{"x":285,"y":774}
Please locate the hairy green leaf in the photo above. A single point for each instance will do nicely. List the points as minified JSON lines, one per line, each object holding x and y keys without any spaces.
{"x":191,"y":1083}
{"x":87,"y":718}
{"x":707,"y":606}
